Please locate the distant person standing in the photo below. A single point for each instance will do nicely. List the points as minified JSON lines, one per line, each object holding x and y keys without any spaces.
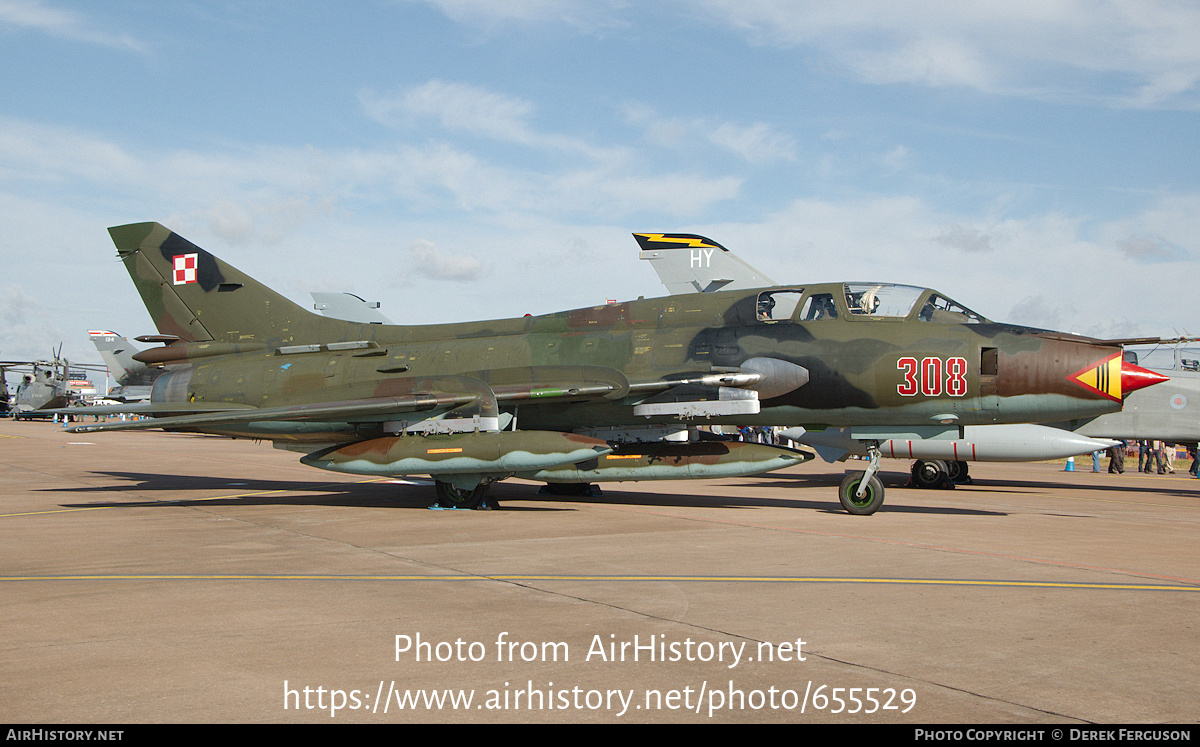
{"x":1143,"y":455}
{"x":1169,"y":457}
{"x":1195,"y":459}
{"x":1116,"y":458}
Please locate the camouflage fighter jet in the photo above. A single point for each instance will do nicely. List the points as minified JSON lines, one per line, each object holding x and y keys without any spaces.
{"x":688,"y":263}
{"x":594,"y":394}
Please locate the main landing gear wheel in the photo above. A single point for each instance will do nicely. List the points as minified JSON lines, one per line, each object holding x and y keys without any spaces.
{"x":931,"y":474}
{"x":872,"y":497}
{"x":449,"y":496}
{"x":958,"y":472}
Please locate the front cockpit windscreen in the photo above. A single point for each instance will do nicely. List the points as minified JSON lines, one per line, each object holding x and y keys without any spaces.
{"x":941,"y":309}
{"x":881,"y":299}
{"x":885,"y":300}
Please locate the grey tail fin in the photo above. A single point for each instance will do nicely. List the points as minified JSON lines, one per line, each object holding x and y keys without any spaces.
{"x":690,"y":263}
{"x":118,"y":353}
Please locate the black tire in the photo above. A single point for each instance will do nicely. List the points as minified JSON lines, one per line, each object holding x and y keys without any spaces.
{"x":958,"y":472}
{"x":449,"y":496}
{"x":929,"y":474}
{"x":870,"y":502}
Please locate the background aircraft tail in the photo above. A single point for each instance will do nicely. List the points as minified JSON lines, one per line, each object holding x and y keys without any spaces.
{"x":198,"y":298}
{"x":117,"y":353}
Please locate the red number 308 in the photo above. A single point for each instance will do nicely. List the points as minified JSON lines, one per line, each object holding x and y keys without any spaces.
{"x":926,"y":377}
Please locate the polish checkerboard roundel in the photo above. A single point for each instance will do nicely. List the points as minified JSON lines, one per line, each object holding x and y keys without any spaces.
{"x":185,"y":268}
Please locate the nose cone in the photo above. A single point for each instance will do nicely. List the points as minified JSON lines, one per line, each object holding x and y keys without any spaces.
{"x":1135,"y":377}
{"x":1114,"y":377}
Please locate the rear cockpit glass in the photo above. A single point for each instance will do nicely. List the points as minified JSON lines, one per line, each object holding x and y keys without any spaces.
{"x":777,"y":305}
{"x":818,"y":306}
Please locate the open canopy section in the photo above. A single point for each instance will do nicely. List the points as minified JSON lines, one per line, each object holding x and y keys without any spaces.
{"x":899,"y":301}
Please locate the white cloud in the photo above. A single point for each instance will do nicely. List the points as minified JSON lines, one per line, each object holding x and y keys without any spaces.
{"x":459,"y":107}
{"x":967,"y":238}
{"x":1048,"y":270}
{"x":35,"y":151}
{"x":897,"y":159}
{"x":1041,"y":48}
{"x":29,"y":334}
{"x":258,"y":222}
{"x":264,"y":194}
{"x":463,"y":108}
{"x":756,"y":143}
{"x":1165,"y":231}
{"x":1039,"y":311}
{"x":32,"y":14}
{"x":1127,"y":55}
{"x":586,"y":15}
{"x":1148,"y":249}
{"x":428,"y":262}
{"x":601,"y":193}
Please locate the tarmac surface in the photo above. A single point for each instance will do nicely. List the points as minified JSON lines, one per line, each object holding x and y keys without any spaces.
{"x":149,"y":577}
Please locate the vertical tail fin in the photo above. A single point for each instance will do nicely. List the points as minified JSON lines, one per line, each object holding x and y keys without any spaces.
{"x":117,"y":353}
{"x":688,"y":263}
{"x":197,"y":297}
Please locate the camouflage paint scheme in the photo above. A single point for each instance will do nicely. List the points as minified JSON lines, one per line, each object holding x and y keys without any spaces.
{"x":248,"y":362}
{"x":689,"y":263}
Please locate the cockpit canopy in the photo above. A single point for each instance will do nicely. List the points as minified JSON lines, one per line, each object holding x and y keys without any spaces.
{"x":862,"y":300}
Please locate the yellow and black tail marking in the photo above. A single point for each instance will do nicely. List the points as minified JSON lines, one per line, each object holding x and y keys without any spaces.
{"x":650,"y":241}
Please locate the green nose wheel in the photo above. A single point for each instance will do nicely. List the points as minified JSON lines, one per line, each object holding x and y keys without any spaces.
{"x":872,"y":497}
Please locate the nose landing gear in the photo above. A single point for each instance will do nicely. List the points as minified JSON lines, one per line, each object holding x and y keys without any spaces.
{"x":861,"y":493}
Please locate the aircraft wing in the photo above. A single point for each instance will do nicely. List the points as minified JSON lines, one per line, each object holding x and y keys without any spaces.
{"x":472,"y":395}
{"x":467,"y":396}
{"x":152,"y":409}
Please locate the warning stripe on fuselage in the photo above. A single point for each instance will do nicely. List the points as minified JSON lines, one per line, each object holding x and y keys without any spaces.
{"x":905,"y":451}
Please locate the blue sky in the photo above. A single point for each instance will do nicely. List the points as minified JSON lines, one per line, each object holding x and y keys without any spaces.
{"x":466,"y":159}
